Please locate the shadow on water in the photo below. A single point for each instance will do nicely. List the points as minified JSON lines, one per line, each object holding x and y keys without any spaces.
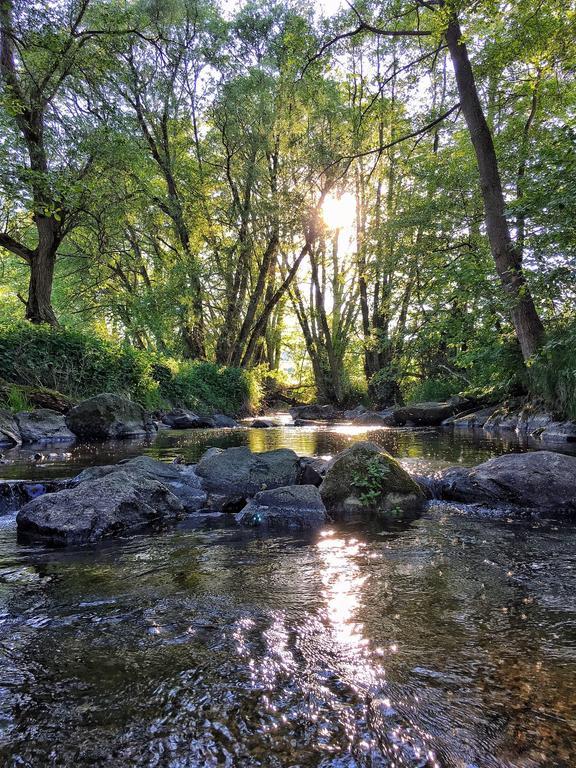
{"x":450,"y":642}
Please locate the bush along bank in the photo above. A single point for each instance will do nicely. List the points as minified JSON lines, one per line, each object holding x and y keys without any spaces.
{"x":54,"y":368}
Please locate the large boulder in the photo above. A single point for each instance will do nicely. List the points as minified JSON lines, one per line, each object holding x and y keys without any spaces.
{"x":108,"y":417}
{"x":43,"y":425}
{"x":239,"y":472}
{"x":9,"y":430}
{"x":365,"y":482}
{"x":107,"y":507}
{"x":427,"y":414}
{"x":315,"y":412}
{"x":542,"y":480}
{"x":181,"y":480}
{"x":296,"y":506}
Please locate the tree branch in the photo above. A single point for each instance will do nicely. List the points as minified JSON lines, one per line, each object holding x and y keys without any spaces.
{"x":399,"y":140}
{"x":8,"y":242}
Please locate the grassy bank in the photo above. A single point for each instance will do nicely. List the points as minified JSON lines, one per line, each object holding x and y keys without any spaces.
{"x":79,"y":365}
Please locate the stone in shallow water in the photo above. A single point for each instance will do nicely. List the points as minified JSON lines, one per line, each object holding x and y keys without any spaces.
{"x":365,"y":482}
{"x":295,"y":506}
{"x":43,"y":425}
{"x":238,"y":471}
{"x":180,"y":479}
{"x":541,"y":480}
{"x":108,"y":417}
{"x":91,"y":511}
{"x":9,"y":430}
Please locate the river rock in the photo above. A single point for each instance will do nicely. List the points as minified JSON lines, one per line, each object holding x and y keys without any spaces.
{"x":353,"y":413}
{"x":265,"y":423}
{"x":177,"y":413}
{"x":541,"y":480}
{"x":474,"y":420}
{"x":312,"y":471}
{"x":103,"y":508}
{"x":559,"y":432}
{"x":108,"y":417}
{"x":221,"y":421}
{"x":180,"y":479}
{"x":385,"y":418}
{"x":426,"y":414}
{"x":43,"y":425}
{"x":238,"y":471}
{"x":365,"y":482}
{"x":9,"y":430}
{"x":315,"y":412}
{"x":295,"y":506}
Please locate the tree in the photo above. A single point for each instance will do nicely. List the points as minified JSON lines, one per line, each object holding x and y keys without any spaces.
{"x":37,"y":59}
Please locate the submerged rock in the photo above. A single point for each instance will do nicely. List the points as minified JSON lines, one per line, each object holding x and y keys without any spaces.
{"x":541,"y":480}
{"x":43,"y":425}
{"x":296,"y":506}
{"x":108,"y":417}
{"x":9,"y":430}
{"x":180,"y":479}
{"x":365,"y":482}
{"x":238,"y":471}
{"x":106,"y":507}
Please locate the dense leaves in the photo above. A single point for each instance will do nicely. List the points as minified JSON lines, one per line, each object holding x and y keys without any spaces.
{"x":188,"y":158}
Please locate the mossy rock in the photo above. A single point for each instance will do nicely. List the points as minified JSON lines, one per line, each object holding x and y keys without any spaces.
{"x":365,"y":482}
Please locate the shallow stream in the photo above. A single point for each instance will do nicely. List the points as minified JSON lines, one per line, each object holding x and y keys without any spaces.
{"x":450,"y":643}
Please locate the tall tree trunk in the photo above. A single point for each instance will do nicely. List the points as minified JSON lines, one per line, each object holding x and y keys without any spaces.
{"x":508,"y":260}
{"x":42,"y":263}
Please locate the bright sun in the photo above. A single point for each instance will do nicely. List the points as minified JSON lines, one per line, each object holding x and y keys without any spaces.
{"x":339,"y":212}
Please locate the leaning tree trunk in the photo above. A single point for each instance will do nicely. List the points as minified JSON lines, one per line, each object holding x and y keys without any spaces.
{"x":42,"y":262}
{"x":508,"y":260}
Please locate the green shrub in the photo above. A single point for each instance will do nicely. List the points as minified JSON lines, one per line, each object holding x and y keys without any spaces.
{"x":433,"y":390}
{"x":552,"y":373}
{"x":14,"y":399}
{"x":81,"y":365}
{"x":206,"y":387}
{"x":68,"y":361}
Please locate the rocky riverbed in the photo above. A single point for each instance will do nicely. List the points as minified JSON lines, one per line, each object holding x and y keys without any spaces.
{"x":195,"y":617}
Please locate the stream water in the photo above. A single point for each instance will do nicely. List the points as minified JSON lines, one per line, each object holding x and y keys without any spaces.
{"x":451,"y":642}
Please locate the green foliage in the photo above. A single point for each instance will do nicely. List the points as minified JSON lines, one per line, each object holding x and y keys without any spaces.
{"x":80,"y":365}
{"x":369,"y":482}
{"x":552,"y":374}
{"x":433,"y":390}
{"x":207,"y":387}
{"x":15,"y":399}
{"x":72,"y":362}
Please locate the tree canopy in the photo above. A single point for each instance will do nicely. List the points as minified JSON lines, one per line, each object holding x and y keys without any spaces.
{"x":379,"y":200}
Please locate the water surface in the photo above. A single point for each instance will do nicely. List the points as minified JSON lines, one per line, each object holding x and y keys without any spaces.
{"x":450,"y":643}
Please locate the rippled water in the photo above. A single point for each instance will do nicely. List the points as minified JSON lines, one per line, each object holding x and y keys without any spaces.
{"x":428,"y":448}
{"x":449,"y":643}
